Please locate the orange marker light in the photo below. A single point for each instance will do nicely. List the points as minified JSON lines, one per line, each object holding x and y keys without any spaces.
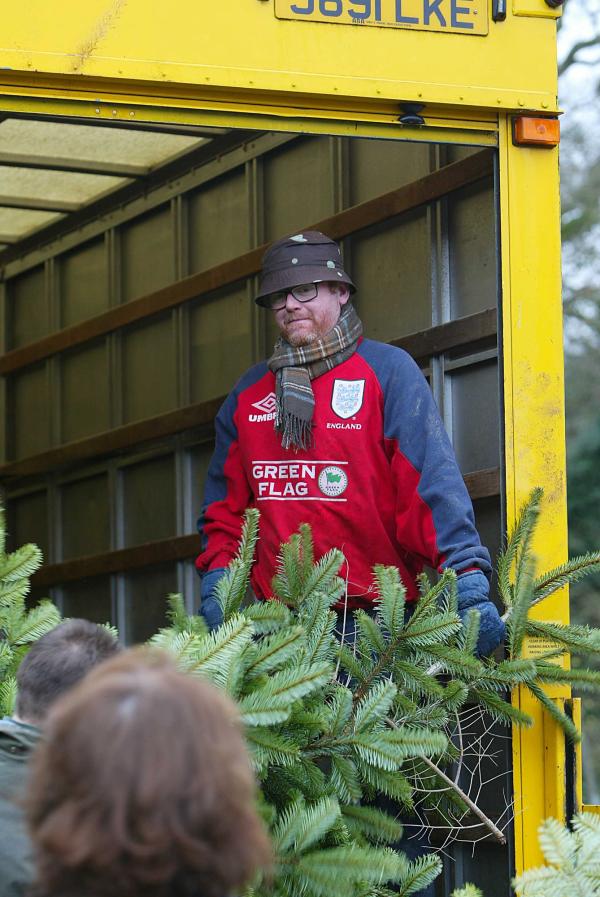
{"x":529,"y":131}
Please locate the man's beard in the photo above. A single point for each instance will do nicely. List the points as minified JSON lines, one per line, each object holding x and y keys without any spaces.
{"x":301,"y":338}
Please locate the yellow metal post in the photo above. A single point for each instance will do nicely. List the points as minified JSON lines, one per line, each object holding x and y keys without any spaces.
{"x":576,"y":705}
{"x":535,"y":440}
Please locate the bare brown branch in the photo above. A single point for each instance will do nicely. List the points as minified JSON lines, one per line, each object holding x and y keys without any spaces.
{"x":489,"y":824}
{"x":571,"y":57}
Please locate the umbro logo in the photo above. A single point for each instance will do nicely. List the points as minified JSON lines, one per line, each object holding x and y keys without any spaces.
{"x":266,"y":405}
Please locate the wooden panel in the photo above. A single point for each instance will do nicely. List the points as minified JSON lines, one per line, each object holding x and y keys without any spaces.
{"x":83,"y":282}
{"x":483,"y":483}
{"x":149,"y":371}
{"x":146,"y":601}
{"x":200,"y":457}
{"x":147,"y":253}
{"x":476,"y":415}
{"x":473,"y":251}
{"x":84,"y":388}
{"x":89,"y":599}
{"x":488,"y":514}
{"x":193,"y":418}
{"x":148,"y":500}
{"x":297,"y":186}
{"x":220,"y":342}
{"x":453,"y":335}
{"x":177,"y":548}
{"x":391,"y":268}
{"x":28,"y":521}
{"x":377,"y":166}
{"x":427,"y":189}
{"x":219,"y":221}
{"x":85,"y":516}
{"x":27,"y":308}
{"x":29,"y":423}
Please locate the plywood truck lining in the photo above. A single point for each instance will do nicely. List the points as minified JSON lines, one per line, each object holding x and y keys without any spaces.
{"x":397,"y":202}
{"x":49,"y":377}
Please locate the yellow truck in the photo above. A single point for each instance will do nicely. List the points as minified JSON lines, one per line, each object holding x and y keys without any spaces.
{"x":149,"y":151}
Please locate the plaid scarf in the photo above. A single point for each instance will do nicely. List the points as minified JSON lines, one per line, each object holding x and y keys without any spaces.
{"x":294,"y":368}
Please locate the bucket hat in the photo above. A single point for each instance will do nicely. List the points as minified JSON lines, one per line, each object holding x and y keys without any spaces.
{"x":307,"y":257}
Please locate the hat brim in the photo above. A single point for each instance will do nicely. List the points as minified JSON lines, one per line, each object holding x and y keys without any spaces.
{"x":275,"y":281}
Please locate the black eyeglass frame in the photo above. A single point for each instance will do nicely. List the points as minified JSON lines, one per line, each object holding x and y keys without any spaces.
{"x":278,"y":300}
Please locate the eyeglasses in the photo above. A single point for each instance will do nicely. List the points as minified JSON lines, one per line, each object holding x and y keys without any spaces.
{"x":304,"y":293}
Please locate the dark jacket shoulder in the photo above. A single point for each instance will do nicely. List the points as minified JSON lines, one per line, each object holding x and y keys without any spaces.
{"x":17,"y":741}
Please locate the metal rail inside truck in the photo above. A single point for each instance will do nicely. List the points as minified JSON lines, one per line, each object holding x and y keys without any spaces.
{"x":149,"y":151}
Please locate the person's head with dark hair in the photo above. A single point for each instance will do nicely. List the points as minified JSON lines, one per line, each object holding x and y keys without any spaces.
{"x":143,"y":786}
{"x":57,"y":662}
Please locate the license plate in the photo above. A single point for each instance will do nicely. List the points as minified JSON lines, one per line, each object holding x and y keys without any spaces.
{"x":455,"y":16}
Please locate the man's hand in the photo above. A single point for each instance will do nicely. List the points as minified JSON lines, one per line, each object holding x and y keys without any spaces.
{"x":473,"y":594}
{"x":210,"y":608}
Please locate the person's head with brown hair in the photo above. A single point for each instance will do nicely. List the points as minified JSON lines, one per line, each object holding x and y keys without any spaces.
{"x":143,"y":786}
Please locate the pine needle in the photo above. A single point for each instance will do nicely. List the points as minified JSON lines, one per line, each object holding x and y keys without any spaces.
{"x":267,"y":616}
{"x":378,"y":826}
{"x":345,"y":779}
{"x":22,"y":562}
{"x":36,"y":623}
{"x":273,"y":748}
{"x":421,"y":873}
{"x":468,"y":890}
{"x":391,"y":598}
{"x":556,"y":713}
{"x":582,"y":639}
{"x":521,"y":605}
{"x":324,"y":574}
{"x":375,"y":706}
{"x":8,"y":695}
{"x":501,"y":710}
{"x":572,"y":571}
{"x":518,"y":545}
{"x":340,"y":709}
{"x":177,"y":614}
{"x":276,"y":650}
{"x":307,"y":551}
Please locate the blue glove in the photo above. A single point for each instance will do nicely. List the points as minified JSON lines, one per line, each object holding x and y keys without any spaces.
{"x":473,"y":593}
{"x":210,"y":608}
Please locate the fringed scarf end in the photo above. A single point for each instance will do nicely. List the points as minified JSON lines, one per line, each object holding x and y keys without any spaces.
{"x":295,"y":432}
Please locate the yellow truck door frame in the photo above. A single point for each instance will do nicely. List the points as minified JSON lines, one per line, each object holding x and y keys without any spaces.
{"x":534,"y":438}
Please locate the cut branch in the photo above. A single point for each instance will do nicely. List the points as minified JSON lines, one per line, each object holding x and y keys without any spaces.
{"x":571,"y":57}
{"x":489,"y":824}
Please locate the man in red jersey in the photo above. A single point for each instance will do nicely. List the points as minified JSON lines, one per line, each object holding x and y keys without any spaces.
{"x":342,"y":433}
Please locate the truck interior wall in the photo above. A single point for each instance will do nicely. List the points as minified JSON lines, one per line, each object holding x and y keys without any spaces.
{"x":435,"y":264}
{"x":431,"y":265}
